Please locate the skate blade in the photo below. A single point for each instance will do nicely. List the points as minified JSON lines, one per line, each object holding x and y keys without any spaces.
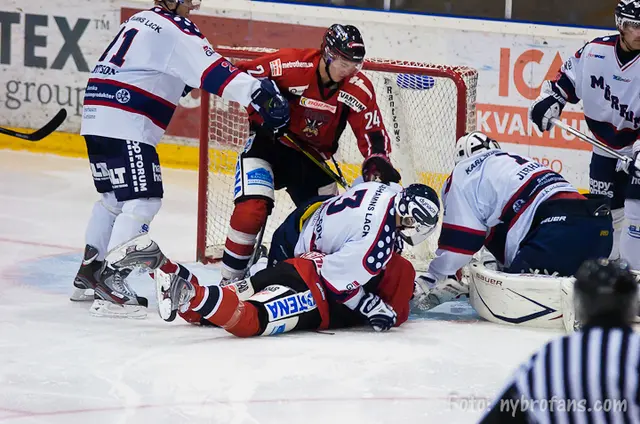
{"x":102,"y":308}
{"x":81,"y":295}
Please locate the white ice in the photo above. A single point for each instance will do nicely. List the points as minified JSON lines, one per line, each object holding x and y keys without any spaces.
{"x":58,"y":364}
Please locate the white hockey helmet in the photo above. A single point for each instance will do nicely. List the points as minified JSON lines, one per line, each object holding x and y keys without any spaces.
{"x":418,"y":207}
{"x":472,"y":143}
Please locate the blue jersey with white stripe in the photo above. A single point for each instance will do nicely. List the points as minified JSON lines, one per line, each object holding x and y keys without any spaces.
{"x":135,"y":87}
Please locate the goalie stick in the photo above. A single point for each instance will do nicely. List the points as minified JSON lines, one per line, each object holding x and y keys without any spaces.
{"x":38,"y":135}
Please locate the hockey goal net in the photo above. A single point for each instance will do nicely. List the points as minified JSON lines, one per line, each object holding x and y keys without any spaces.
{"x":425,"y":108}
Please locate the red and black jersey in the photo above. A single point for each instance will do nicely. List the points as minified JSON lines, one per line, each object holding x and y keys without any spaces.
{"x":319,"y":115}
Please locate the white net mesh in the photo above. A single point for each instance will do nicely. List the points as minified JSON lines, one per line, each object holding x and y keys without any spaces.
{"x":425,"y":108}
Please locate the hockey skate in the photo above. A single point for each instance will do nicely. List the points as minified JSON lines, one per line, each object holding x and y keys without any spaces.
{"x":173,"y":293}
{"x":114,"y":297}
{"x":87,"y":277}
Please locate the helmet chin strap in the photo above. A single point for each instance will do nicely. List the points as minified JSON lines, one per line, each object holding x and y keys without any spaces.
{"x":326,"y":68}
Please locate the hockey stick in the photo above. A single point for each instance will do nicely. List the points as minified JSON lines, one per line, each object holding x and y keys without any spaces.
{"x":558,"y":123}
{"x":38,"y":135}
{"x":337,"y":178}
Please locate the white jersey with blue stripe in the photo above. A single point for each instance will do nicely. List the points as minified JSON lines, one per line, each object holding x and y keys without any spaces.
{"x":609,"y":90}
{"x":491,"y":199}
{"x":135,"y":87}
{"x":356,"y":232}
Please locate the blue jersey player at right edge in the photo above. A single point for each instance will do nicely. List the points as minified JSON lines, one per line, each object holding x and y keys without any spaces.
{"x":157,"y":56}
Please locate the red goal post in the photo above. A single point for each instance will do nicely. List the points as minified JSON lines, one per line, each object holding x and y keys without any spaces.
{"x":425,"y":108}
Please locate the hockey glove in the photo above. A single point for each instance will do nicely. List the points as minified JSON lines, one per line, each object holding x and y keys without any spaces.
{"x":548,"y":105}
{"x":378,"y":167}
{"x":631,"y":166}
{"x":271,"y":105}
{"x":380,"y":315}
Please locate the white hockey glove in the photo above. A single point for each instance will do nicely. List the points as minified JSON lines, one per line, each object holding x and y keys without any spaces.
{"x":428,"y":293}
{"x":548,"y":105}
{"x":380,"y":315}
{"x":631,"y":166}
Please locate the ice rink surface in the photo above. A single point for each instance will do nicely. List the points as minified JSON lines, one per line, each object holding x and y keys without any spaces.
{"x":58,"y":364}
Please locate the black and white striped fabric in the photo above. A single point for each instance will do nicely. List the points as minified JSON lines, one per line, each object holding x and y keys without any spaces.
{"x":589,"y":377}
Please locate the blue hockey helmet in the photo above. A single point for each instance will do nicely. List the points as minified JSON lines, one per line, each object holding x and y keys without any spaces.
{"x":418,"y":207}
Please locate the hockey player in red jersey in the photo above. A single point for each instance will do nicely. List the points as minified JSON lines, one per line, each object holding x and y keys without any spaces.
{"x":326,"y":92}
{"x":345,"y":277}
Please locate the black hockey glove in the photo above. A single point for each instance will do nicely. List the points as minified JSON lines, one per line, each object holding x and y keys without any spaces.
{"x":380,"y":315}
{"x":378,"y":168}
{"x":548,"y":105}
{"x":271,"y":105}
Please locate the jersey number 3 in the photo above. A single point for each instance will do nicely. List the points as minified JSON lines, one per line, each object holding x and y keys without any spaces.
{"x":351,"y":202}
{"x":118,"y":58}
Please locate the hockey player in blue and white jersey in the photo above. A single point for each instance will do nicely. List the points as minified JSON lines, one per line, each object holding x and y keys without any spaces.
{"x":337,"y":266}
{"x":604,"y":74}
{"x":527,"y":216}
{"x":157,"y":56}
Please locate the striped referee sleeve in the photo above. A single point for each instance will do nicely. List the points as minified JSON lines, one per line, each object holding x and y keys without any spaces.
{"x":589,"y":377}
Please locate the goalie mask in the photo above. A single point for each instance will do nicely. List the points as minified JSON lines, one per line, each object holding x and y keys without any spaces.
{"x":472,"y":143}
{"x":605,"y":292}
{"x":418,"y":208}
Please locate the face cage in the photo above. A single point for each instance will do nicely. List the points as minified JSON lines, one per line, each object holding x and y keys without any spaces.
{"x":623,"y":23}
{"x":412,"y":232}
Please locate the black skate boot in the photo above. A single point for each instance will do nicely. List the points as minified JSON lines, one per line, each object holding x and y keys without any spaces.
{"x":113,"y":295}
{"x":87,"y":277}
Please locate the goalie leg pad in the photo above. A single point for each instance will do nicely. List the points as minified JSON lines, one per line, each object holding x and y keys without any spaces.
{"x":530,"y":300}
{"x":248,"y":218}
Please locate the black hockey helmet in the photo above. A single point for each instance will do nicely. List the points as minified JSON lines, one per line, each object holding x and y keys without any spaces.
{"x":345,"y":41}
{"x":605,"y":292}
{"x":627,"y":12}
{"x":418,"y":207}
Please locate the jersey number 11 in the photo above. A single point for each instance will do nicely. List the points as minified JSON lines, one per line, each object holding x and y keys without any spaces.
{"x":118,"y":58}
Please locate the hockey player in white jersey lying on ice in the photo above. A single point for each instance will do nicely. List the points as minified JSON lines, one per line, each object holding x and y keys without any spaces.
{"x":343,"y":271}
{"x":527,"y":216}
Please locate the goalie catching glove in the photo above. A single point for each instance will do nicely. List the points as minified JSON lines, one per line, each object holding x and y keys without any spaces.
{"x":378,"y":167}
{"x":380,"y":315}
{"x":548,"y":105}
{"x":271,"y":105}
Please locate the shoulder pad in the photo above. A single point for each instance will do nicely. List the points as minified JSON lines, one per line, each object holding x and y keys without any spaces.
{"x":609,"y":40}
{"x":183,"y":24}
